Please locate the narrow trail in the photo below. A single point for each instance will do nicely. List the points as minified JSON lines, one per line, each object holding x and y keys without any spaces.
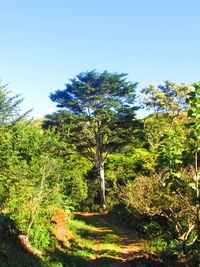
{"x":114,"y":245}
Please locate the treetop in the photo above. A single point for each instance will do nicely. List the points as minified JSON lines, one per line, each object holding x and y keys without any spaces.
{"x":92,"y":93}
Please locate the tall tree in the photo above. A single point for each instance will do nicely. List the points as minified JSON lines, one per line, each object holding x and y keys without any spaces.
{"x":100,"y":113}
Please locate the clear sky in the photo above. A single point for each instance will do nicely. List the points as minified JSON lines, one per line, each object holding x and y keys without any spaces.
{"x":46,"y":42}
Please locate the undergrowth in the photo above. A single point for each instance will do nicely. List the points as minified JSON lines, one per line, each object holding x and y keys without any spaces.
{"x":84,"y":242}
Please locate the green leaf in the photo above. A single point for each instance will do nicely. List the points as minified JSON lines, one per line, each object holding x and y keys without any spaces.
{"x":192,"y":185}
{"x":168,"y":181}
{"x":163,"y":137}
{"x":178,"y":161}
{"x":177,"y":152}
{"x":176,"y":174}
{"x":191,"y":94}
{"x":180,"y":181}
{"x":178,"y":144}
{"x":190,"y":113}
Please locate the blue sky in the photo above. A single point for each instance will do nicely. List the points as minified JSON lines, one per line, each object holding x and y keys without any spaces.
{"x":46,"y":42}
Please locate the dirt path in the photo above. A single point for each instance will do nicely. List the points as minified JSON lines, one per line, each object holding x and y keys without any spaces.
{"x":127,"y":250}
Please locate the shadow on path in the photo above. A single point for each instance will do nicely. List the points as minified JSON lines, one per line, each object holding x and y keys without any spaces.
{"x":130,"y":246}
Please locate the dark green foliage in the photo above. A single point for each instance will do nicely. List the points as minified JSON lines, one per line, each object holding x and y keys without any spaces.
{"x":101,"y":103}
{"x":8,"y":228}
{"x":75,"y":186}
{"x":11,"y":252}
{"x":12,"y":255}
{"x":102,"y":93}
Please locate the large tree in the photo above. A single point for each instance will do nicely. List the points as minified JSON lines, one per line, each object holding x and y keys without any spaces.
{"x":100,"y":115}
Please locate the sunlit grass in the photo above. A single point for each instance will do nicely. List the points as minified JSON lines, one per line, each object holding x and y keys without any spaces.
{"x":93,"y":242}
{"x":76,"y":224}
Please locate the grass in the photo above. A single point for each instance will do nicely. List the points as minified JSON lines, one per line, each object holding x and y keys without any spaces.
{"x":97,"y":241}
{"x":91,"y":244}
{"x":91,"y":241}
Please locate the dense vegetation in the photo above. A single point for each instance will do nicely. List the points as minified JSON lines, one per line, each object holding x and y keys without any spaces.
{"x":94,"y":155}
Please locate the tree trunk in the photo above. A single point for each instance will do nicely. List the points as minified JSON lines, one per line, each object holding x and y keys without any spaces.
{"x":197,"y":196}
{"x":102,"y":184}
{"x":100,"y":164}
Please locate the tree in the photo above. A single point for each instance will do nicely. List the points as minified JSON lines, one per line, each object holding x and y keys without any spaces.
{"x":178,"y":162}
{"x":168,"y":104}
{"x":167,"y":98}
{"x":100,"y":115}
{"x":31,"y":179}
{"x":194,"y":146}
{"x":9,"y":106}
